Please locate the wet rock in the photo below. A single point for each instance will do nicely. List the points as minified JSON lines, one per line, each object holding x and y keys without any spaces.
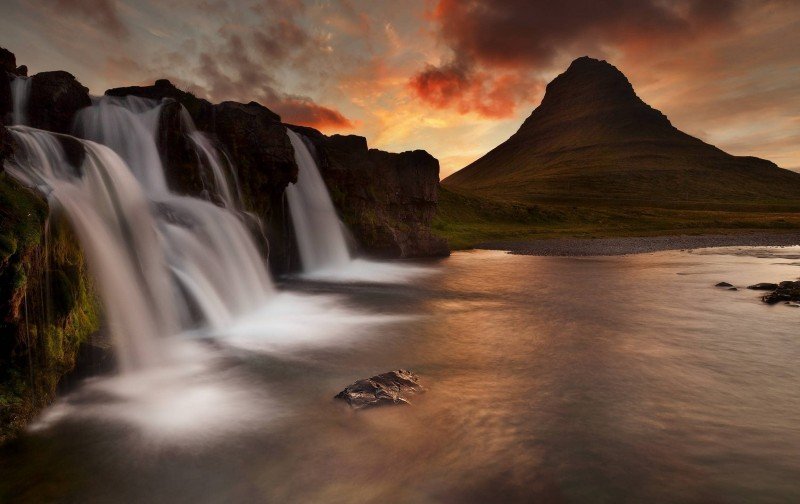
{"x":384,"y":389}
{"x":788,"y":291}
{"x":55,"y":98}
{"x":765,"y":286}
{"x":724,"y":284}
{"x":74,"y":152}
{"x":732,"y":289}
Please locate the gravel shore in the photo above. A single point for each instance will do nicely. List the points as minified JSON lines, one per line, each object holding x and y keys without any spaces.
{"x":640,"y":245}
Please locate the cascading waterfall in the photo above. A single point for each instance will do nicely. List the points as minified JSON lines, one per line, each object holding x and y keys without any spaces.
{"x":320,"y":235}
{"x":160,"y":260}
{"x":110,"y":215}
{"x":128,"y":126}
{"x":20,"y":93}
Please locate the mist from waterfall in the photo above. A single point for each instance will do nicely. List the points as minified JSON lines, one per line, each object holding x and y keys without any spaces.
{"x":20,"y":96}
{"x":319,"y":232}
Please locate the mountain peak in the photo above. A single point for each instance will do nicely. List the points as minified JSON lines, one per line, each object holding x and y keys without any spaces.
{"x":593,"y":137}
{"x":585,"y":81}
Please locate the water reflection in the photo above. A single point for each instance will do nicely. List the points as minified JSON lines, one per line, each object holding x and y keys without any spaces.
{"x":622,"y":379}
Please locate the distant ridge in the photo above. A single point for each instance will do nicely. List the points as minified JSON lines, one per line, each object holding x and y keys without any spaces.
{"x":593,"y":139}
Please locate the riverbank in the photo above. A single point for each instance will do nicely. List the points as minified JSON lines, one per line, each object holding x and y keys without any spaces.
{"x":640,"y":245}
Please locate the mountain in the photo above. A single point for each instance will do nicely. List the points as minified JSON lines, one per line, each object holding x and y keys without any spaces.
{"x":593,"y":140}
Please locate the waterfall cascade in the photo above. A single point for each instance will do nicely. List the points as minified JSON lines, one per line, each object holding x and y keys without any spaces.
{"x":320,"y":233}
{"x":160,"y":260}
{"x":21,"y":93}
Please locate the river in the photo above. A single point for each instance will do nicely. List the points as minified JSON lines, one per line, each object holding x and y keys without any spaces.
{"x":549,"y":379}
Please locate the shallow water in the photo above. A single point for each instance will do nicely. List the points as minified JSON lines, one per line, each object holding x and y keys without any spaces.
{"x":550,"y":379}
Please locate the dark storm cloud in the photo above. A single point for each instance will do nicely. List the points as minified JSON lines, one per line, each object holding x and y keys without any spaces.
{"x":489,"y":37}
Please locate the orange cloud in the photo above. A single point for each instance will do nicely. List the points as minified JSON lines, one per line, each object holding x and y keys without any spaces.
{"x":304,"y":112}
{"x":490,"y":96}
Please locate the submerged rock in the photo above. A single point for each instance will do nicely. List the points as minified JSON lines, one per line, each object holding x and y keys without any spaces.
{"x":724,"y":284}
{"x":765,"y":286}
{"x":381,"y":390}
{"x":788,"y":291}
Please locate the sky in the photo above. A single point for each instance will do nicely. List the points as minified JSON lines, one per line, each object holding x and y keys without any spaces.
{"x":452,"y":77}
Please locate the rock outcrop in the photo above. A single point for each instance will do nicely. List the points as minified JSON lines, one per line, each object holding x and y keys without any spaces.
{"x":55,"y":98}
{"x":387,"y":200}
{"x":385,"y":389}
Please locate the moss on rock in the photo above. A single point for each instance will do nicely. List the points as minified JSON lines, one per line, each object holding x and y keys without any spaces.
{"x":47,"y":305}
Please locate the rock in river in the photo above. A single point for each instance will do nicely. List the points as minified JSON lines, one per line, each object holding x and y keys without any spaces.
{"x":763,"y":286}
{"x":384,"y":389}
{"x":723,"y":284}
{"x":786,"y":291}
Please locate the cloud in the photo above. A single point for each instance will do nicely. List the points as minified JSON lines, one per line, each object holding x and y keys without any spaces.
{"x":303,"y":110}
{"x":239,"y":69}
{"x":103,"y":14}
{"x":498,"y":45}
{"x":466,"y":90}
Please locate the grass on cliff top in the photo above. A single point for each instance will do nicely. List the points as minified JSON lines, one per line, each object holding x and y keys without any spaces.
{"x":466,"y":220}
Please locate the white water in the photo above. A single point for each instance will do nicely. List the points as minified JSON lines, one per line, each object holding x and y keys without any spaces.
{"x":319,"y":231}
{"x":161,"y":261}
{"x":20,"y":95}
{"x":128,"y":126}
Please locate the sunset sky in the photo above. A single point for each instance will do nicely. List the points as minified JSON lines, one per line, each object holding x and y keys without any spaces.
{"x":452,"y":77}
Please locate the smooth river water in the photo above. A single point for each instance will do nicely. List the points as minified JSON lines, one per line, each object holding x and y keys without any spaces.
{"x":549,"y":379}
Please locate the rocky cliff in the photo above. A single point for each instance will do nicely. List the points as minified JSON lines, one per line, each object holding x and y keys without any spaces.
{"x":387,"y":200}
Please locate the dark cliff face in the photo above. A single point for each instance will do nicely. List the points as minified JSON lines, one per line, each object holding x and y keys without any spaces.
{"x":387,"y":200}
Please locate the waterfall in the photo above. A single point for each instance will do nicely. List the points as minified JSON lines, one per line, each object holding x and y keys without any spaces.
{"x":127,"y":126}
{"x":163,"y":263}
{"x":20,"y":93}
{"x":320,"y":235}
{"x":215,"y":162}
